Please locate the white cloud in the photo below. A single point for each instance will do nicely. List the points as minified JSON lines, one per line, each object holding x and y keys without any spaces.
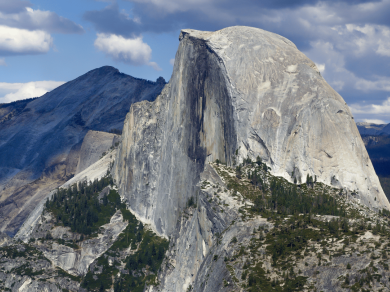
{"x":327,"y":56}
{"x":14,"y":6}
{"x":2,"y":62}
{"x":366,"y":85}
{"x":321,"y":68}
{"x":15,"y":91}
{"x":132,"y":51}
{"x":172,"y":62}
{"x":384,"y":44}
{"x":154,"y":65}
{"x":172,"y":6}
{"x":374,"y":111}
{"x":374,"y":121}
{"x":366,"y":39}
{"x":21,"y":41}
{"x":32,"y":19}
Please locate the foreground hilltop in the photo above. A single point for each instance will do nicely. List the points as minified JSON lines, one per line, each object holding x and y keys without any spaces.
{"x":376,"y":137}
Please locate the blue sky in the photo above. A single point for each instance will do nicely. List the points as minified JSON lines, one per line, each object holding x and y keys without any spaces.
{"x":45,"y":43}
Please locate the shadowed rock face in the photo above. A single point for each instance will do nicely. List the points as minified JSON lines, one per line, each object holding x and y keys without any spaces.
{"x":166,"y":143}
{"x":40,"y":144}
{"x":241,"y":89}
{"x":94,"y":144}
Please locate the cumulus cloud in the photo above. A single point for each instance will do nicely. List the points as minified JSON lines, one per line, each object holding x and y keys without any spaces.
{"x":372,"y":111}
{"x":111,"y":20}
{"x":132,"y":51}
{"x":24,"y":30}
{"x":15,"y":41}
{"x":154,"y":65}
{"x":321,"y":67}
{"x":383,"y":84}
{"x":374,"y":121}
{"x":15,"y":91}
{"x":40,"y":20}
{"x":349,"y":40}
{"x":13,"y":6}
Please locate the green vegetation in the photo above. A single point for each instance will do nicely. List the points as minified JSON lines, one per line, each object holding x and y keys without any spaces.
{"x":64,"y":274}
{"x":300,"y":228}
{"x":26,"y":270}
{"x":23,"y":250}
{"x":143,"y":264}
{"x":274,"y":196}
{"x":79,"y":208}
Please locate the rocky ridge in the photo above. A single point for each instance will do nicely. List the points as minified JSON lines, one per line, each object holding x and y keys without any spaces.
{"x":373,"y":129}
{"x":41,"y":138}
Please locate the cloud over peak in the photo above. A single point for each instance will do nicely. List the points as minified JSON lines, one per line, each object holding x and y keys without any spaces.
{"x":132,"y":51}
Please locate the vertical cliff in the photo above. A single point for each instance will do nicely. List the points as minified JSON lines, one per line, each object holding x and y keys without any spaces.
{"x":239,"y":91}
{"x":165,"y":143}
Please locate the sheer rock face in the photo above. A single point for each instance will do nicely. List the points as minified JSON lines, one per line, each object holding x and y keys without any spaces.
{"x":242,"y":89}
{"x":94,"y":144}
{"x":166,"y":143}
{"x":76,"y":262}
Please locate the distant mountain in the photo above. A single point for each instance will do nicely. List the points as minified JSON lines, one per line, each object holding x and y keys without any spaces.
{"x":41,"y":138}
{"x":376,"y":138}
{"x":12,"y":109}
{"x":373,"y":129}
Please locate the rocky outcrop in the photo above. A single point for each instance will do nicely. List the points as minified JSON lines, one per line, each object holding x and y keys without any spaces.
{"x":235,"y":93}
{"x":23,"y":268}
{"x":95,"y":144}
{"x":95,"y":171}
{"x":77,"y":261}
{"x":41,"y":139}
{"x":197,"y":231}
{"x":4,"y":239}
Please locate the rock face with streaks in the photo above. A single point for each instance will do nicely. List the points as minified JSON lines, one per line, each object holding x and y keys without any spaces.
{"x":76,"y":262}
{"x":235,"y":93}
{"x":94,"y":171}
{"x":95,"y":143}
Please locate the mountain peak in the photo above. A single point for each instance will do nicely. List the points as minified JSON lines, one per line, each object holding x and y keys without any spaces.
{"x":103,"y":70}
